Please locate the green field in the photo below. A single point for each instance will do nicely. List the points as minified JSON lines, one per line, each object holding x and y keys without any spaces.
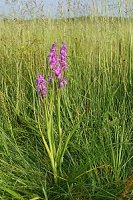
{"x":95,"y":106}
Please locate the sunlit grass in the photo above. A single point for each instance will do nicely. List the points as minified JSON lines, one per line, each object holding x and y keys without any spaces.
{"x":98,"y":159}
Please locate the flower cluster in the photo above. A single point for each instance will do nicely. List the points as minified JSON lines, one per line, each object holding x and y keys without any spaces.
{"x":53,"y":57}
{"x":63,"y":56}
{"x":57,"y":65}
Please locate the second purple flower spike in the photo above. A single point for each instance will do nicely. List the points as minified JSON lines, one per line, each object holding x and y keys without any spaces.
{"x":63,"y":56}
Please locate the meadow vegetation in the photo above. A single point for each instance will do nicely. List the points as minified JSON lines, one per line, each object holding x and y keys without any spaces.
{"x":97,"y":100}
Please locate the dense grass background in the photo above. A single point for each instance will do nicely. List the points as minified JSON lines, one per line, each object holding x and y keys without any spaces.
{"x":98,"y":161}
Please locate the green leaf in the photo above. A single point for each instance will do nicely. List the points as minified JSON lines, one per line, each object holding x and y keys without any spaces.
{"x":63,"y":149}
{"x":13,"y":193}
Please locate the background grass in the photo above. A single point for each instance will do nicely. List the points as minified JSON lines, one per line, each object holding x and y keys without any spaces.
{"x":98,"y":160}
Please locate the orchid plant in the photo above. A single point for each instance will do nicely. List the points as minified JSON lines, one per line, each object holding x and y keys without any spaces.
{"x":55,"y":149}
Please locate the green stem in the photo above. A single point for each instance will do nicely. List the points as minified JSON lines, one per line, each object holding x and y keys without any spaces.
{"x":59,"y":119}
{"x":50,"y":154}
{"x":60,"y":132}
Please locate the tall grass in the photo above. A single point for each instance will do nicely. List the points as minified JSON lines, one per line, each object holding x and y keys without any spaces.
{"x":98,"y":158}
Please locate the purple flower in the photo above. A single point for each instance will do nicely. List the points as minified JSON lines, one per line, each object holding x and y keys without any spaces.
{"x":63,"y":56}
{"x":58,"y":71}
{"x":62,"y":82}
{"x":53,"y":60}
{"x":41,"y":86}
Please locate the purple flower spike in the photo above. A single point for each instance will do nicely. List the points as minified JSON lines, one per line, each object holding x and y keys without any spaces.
{"x":63,"y":56}
{"x":62,"y":83}
{"x":53,"y":57}
{"x":41,"y":86}
{"x":58,"y":64}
